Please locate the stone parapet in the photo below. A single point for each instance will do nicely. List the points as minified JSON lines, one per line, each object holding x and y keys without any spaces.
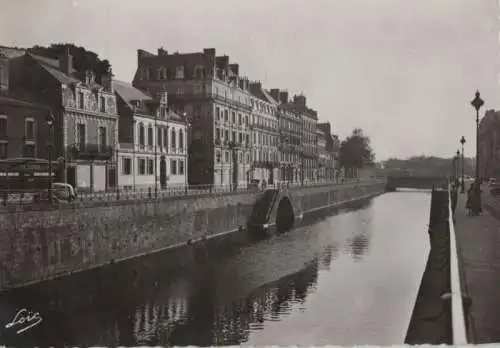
{"x":40,"y":245}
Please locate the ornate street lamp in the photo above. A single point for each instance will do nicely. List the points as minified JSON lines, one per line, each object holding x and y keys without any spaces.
{"x":458,"y":169}
{"x":462,"y":141}
{"x":477,"y":103}
{"x":50,"y":125}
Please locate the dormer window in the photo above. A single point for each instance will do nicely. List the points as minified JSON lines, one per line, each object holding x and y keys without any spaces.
{"x":162,"y":73}
{"x":179,"y":72}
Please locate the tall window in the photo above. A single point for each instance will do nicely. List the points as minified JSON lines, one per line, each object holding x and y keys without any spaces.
{"x":181,"y":140}
{"x":181,"y":167}
{"x":103,"y":104}
{"x":233,"y":117}
{"x":173,"y":166}
{"x":81,"y":100}
{"x":150,"y":135}
{"x":126,"y":166}
{"x":103,"y":141}
{"x":142,"y":166}
{"x":226,"y":115}
{"x":141,"y":135}
{"x":3,"y":150}
{"x":158,"y":136}
{"x":3,"y":126}
{"x":165,"y":137}
{"x":173,"y":139}
{"x":217,"y":113}
{"x":81,"y":136}
{"x":29,"y":129}
{"x":150,"y":167}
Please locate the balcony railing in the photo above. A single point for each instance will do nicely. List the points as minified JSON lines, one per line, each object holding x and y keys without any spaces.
{"x":90,"y":151}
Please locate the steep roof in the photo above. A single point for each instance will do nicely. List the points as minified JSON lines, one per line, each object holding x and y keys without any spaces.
{"x":128,"y":92}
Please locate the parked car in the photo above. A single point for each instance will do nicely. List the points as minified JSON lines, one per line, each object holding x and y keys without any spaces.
{"x":61,"y":192}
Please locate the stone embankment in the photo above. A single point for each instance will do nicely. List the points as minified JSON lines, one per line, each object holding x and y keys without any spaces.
{"x":41,"y":245}
{"x":431,"y":319}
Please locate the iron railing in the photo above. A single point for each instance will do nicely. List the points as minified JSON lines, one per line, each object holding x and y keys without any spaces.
{"x":29,"y":197}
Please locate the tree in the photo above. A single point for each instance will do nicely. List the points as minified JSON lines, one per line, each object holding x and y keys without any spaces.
{"x":426,"y":166}
{"x":355,"y":151}
{"x":82,"y":58}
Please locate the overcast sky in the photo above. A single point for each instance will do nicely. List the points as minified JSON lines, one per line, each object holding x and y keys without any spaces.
{"x":402,"y":70}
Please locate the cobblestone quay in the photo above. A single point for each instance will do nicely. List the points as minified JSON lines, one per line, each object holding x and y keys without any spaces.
{"x":41,"y":245}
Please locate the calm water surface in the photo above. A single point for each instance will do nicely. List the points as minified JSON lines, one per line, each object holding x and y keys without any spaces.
{"x":351,"y":278}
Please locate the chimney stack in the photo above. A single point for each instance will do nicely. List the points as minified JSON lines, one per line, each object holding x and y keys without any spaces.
{"x":275,"y":93}
{"x":300,"y":100}
{"x":235,"y":68}
{"x":107,"y":81}
{"x":283,"y":97}
{"x":66,"y":62}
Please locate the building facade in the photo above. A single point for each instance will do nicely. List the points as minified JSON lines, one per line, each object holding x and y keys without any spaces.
{"x":323,"y":156}
{"x":84,"y":130}
{"x":309,"y":141}
{"x":290,"y":134}
{"x":217,"y":102}
{"x":332,"y":149}
{"x":489,"y":145}
{"x":264,"y":135}
{"x":152,"y":141}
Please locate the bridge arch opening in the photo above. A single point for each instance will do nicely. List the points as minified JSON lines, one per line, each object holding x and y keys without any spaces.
{"x":285,"y":217}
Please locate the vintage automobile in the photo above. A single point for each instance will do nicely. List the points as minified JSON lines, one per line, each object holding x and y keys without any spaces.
{"x":61,"y":192}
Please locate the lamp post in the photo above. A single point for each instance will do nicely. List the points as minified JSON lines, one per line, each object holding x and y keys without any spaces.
{"x":458,"y":169}
{"x":462,"y":142}
{"x":477,"y":103}
{"x":50,"y":124}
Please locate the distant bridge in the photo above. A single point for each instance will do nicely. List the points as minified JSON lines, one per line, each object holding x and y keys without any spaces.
{"x":415,"y":182}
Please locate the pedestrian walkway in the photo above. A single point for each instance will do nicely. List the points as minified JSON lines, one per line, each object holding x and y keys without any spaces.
{"x":478,"y":242}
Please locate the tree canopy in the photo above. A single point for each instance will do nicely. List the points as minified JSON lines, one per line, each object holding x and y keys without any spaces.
{"x":82,"y":58}
{"x":427,"y":165}
{"x":355,"y":151}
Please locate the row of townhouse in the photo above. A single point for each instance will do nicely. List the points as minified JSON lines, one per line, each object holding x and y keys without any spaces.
{"x":101,"y":134}
{"x":238,"y":131}
{"x":185,"y":119}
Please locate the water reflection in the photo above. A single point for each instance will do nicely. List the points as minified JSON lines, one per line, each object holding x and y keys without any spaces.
{"x":249,"y":294}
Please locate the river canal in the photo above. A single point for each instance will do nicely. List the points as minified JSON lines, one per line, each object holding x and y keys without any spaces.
{"x":348,"y":279}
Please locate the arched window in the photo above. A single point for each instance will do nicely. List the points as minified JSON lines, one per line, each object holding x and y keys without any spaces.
{"x":181,"y":139}
{"x":141,"y":134}
{"x":173,"y":139}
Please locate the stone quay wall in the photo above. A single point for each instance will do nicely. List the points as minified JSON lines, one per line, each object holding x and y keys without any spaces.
{"x":41,"y":245}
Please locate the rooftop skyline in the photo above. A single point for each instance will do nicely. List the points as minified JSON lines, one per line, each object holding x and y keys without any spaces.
{"x":402,"y":71}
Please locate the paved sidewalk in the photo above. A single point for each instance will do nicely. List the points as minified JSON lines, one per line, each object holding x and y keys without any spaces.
{"x":478,"y":240}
